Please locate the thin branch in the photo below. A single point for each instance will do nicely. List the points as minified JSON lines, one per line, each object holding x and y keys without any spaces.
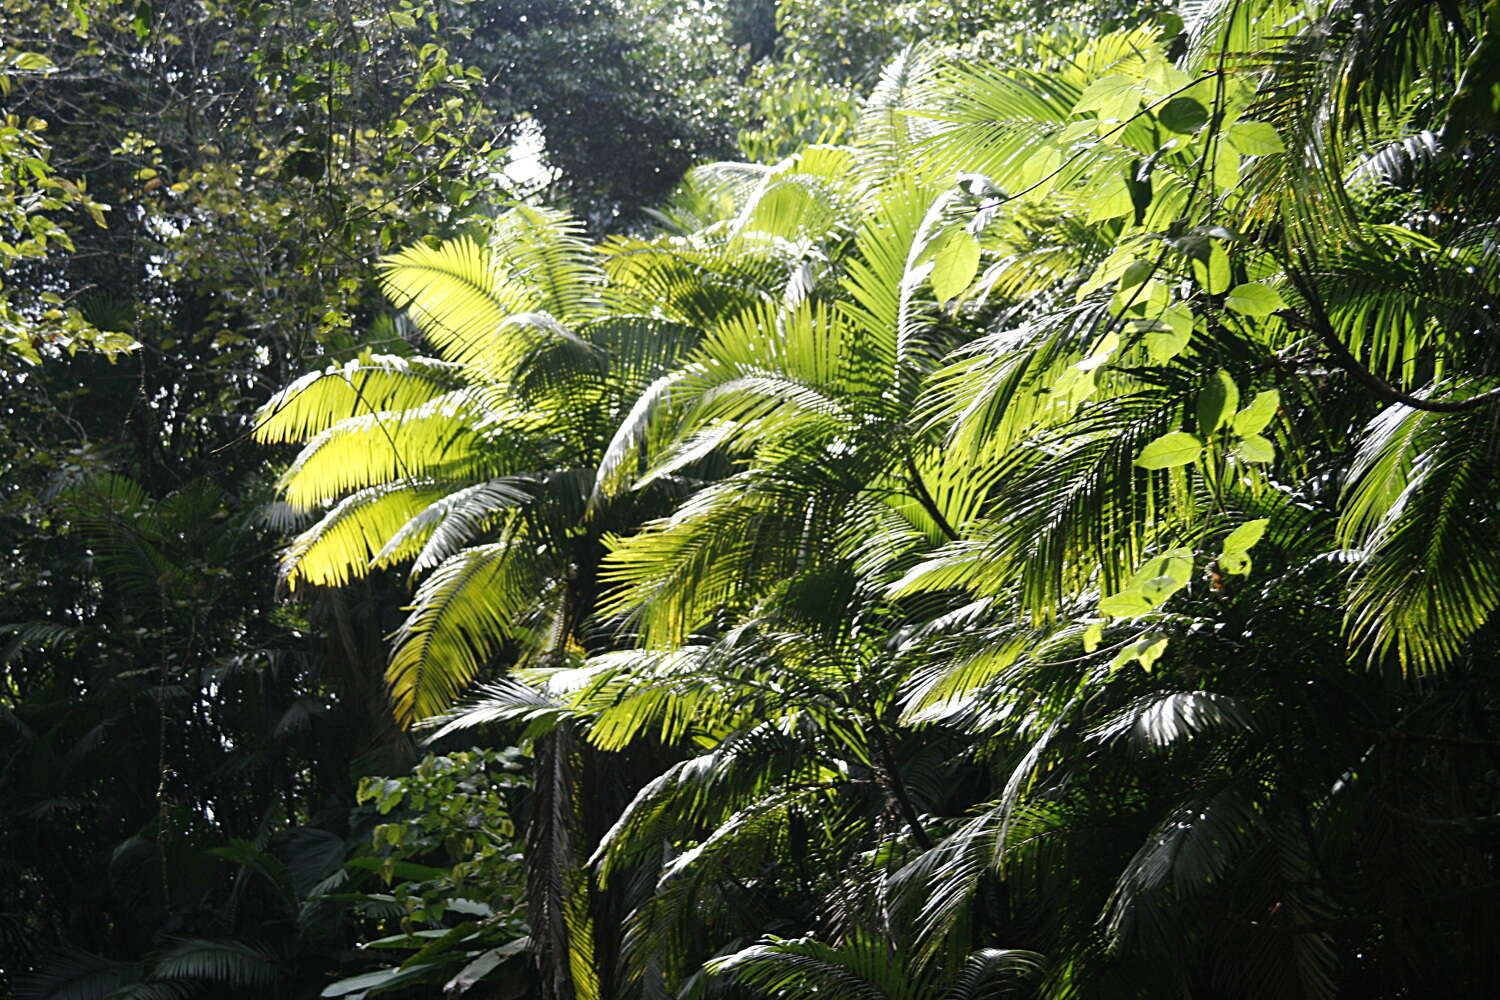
{"x":1321,"y":325}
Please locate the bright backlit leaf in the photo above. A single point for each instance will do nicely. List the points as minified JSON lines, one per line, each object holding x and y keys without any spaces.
{"x":1145,"y":651}
{"x":1108,"y":198}
{"x":1243,"y":538}
{"x":955,"y":265}
{"x":1254,"y":138}
{"x":1254,"y":448}
{"x":1254,"y":298}
{"x":1254,"y":418}
{"x":1213,"y":272}
{"x":1171,"y":449}
{"x":1226,"y":168}
{"x":1126,"y":604}
{"x":1234,"y":555}
{"x":1115,"y":97}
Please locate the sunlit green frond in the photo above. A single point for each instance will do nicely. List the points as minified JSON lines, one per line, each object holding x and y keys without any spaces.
{"x":666,"y":695}
{"x":440,"y":439}
{"x":343,"y":544}
{"x":888,"y":134}
{"x":458,"y":297}
{"x":710,"y":194}
{"x":707,"y":791}
{"x":877,"y":275}
{"x":806,"y":197}
{"x":697,"y":282}
{"x":503,"y":700}
{"x":461,"y":614}
{"x":1420,"y":504}
{"x":677,"y":571}
{"x":545,"y":251}
{"x":1159,"y":721}
{"x":451,"y":521}
{"x":381,"y":383}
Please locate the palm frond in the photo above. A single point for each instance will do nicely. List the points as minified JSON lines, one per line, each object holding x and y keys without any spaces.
{"x":461,"y":614}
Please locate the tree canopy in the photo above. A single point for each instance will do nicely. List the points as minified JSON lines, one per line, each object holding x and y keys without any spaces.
{"x":899,"y":501}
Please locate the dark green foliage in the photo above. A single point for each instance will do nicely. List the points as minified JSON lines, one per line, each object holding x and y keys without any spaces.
{"x":1028,"y":533}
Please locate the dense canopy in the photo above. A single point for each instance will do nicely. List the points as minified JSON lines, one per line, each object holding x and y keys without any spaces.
{"x":734,"y":499}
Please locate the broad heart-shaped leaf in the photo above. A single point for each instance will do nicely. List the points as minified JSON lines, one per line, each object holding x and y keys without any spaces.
{"x":1171,"y":449}
{"x":1254,"y":299}
{"x":1107,"y":198}
{"x":955,"y":265}
{"x":1169,"y":334}
{"x":1145,"y":651}
{"x":1226,"y":167}
{"x":1254,"y":138}
{"x":1115,"y":97}
{"x":1234,"y":564}
{"x":1217,"y":403}
{"x":1072,"y":133}
{"x":1138,"y":272}
{"x":1233,"y":555}
{"x":1165,"y":344}
{"x":1243,"y":538}
{"x":1114,"y":267}
{"x":1254,"y":448}
{"x":1179,"y":318}
{"x":1162,"y":576}
{"x":1038,"y":172}
{"x":1183,"y":114}
{"x":1254,"y":418}
{"x":1125,"y":604}
{"x":1157,"y":579}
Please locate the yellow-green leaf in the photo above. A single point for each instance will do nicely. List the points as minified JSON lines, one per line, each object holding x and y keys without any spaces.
{"x":1115,"y":97}
{"x":1126,"y":604}
{"x":1171,"y":449}
{"x":955,"y":265}
{"x":1213,"y":273}
{"x":1255,"y":448}
{"x":1254,"y":418}
{"x":1254,"y":298}
{"x":1254,"y":138}
{"x":1243,"y":538}
{"x":1108,"y":198}
{"x":1145,"y":651}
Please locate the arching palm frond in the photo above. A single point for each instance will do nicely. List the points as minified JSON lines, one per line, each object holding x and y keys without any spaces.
{"x":545,"y":251}
{"x":441,"y":439}
{"x":379,"y":384}
{"x":469,"y":605}
{"x":343,"y":544}
{"x":77,"y":975}
{"x":709,"y":195}
{"x":459,"y":298}
{"x":1419,"y":505}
